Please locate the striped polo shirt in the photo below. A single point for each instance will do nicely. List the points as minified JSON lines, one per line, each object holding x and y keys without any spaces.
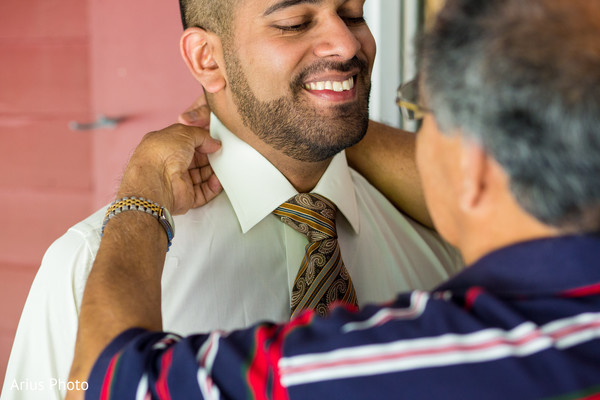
{"x":521,"y":323}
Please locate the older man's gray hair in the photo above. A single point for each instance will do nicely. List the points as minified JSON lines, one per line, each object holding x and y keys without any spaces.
{"x":523,"y":79}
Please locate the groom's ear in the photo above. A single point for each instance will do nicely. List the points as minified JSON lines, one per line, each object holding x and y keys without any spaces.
{"x":201,"y":51}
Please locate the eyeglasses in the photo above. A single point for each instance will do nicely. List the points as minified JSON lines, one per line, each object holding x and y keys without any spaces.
{"x":407,"y":100}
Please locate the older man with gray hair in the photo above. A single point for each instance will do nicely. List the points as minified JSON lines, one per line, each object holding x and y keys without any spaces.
{"x":509,"y":158}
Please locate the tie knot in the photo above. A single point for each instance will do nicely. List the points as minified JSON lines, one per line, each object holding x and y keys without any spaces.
{"x":310,"y":214}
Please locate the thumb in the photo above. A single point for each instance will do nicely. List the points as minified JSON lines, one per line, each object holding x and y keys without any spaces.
{"x":203,"y":142}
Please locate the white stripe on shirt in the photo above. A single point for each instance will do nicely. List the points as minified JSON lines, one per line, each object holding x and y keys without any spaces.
{"x":444,"y":350}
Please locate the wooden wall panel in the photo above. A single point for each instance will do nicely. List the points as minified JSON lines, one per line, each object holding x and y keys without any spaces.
{"x":45,"y":169}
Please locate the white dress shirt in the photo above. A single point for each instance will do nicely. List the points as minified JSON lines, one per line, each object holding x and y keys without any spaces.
{"x":232,"y":262}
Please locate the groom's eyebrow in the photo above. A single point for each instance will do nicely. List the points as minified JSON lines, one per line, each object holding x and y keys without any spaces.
{"x":286,"y":4}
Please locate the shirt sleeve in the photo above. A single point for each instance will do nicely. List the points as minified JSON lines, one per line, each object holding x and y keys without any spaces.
{"x":259,"y":362}
{"x":42,"y":351}
{"x":237,"y":365}
{"x":159,"y":365}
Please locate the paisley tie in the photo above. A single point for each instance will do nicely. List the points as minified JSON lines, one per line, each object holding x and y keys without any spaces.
{"x":322,"y":279}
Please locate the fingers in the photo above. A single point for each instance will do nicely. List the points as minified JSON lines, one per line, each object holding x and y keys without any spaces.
{"x":203,"y":142}
{"x":206,"y":185}
{"x":206,"y":191}
{"x":200,"y":174}
{"x":198,"y":114}
{"x":205,"y":173}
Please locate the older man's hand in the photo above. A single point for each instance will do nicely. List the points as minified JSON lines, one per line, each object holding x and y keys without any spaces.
{"x":171,"y":168}
{"x":197,"y":114}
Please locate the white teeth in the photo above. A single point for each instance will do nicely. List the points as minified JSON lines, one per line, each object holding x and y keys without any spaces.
{"x":336,"y":86}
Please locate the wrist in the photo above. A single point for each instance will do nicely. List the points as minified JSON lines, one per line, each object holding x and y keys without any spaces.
{"x":146,"y":182}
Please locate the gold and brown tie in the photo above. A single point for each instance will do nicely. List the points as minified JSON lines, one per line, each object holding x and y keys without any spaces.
{"x":322,"y":279}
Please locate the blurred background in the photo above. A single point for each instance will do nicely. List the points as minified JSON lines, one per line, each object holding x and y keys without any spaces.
{"x":81,"y":81}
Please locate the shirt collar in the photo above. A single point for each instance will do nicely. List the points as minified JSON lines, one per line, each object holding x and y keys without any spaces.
{"x":256,"y":188}
{"x":537,"y":267}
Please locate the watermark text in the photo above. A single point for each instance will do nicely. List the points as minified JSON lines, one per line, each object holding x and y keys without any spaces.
{"x":50,"y":384}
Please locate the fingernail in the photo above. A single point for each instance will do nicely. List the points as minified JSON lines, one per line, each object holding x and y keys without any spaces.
{"x":191,"y":116}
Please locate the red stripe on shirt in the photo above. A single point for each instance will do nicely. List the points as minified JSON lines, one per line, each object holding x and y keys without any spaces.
{"x":583,"y":291}
{"x":452,"y":348}
{"x":162,"y":385}
{"x":109,"y":377}
{"x":264,"y":378}
{"x":472,"y":295}
{"x":457,"y":347}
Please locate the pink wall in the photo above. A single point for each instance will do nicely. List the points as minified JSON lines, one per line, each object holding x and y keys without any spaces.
{"x":136,"y":73}
{"x":44,"y":83}
{"x":44,"y":183}
{"x":65,"y":60}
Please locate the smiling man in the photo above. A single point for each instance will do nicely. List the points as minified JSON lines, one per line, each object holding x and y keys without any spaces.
{"x":288,"y":83}
{"x":297,"y":72}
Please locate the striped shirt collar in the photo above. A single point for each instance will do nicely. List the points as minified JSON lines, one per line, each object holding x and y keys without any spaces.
{"x":564,"y":265}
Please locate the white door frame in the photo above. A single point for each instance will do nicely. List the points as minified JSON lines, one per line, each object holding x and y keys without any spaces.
{"x":394,"y":24}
